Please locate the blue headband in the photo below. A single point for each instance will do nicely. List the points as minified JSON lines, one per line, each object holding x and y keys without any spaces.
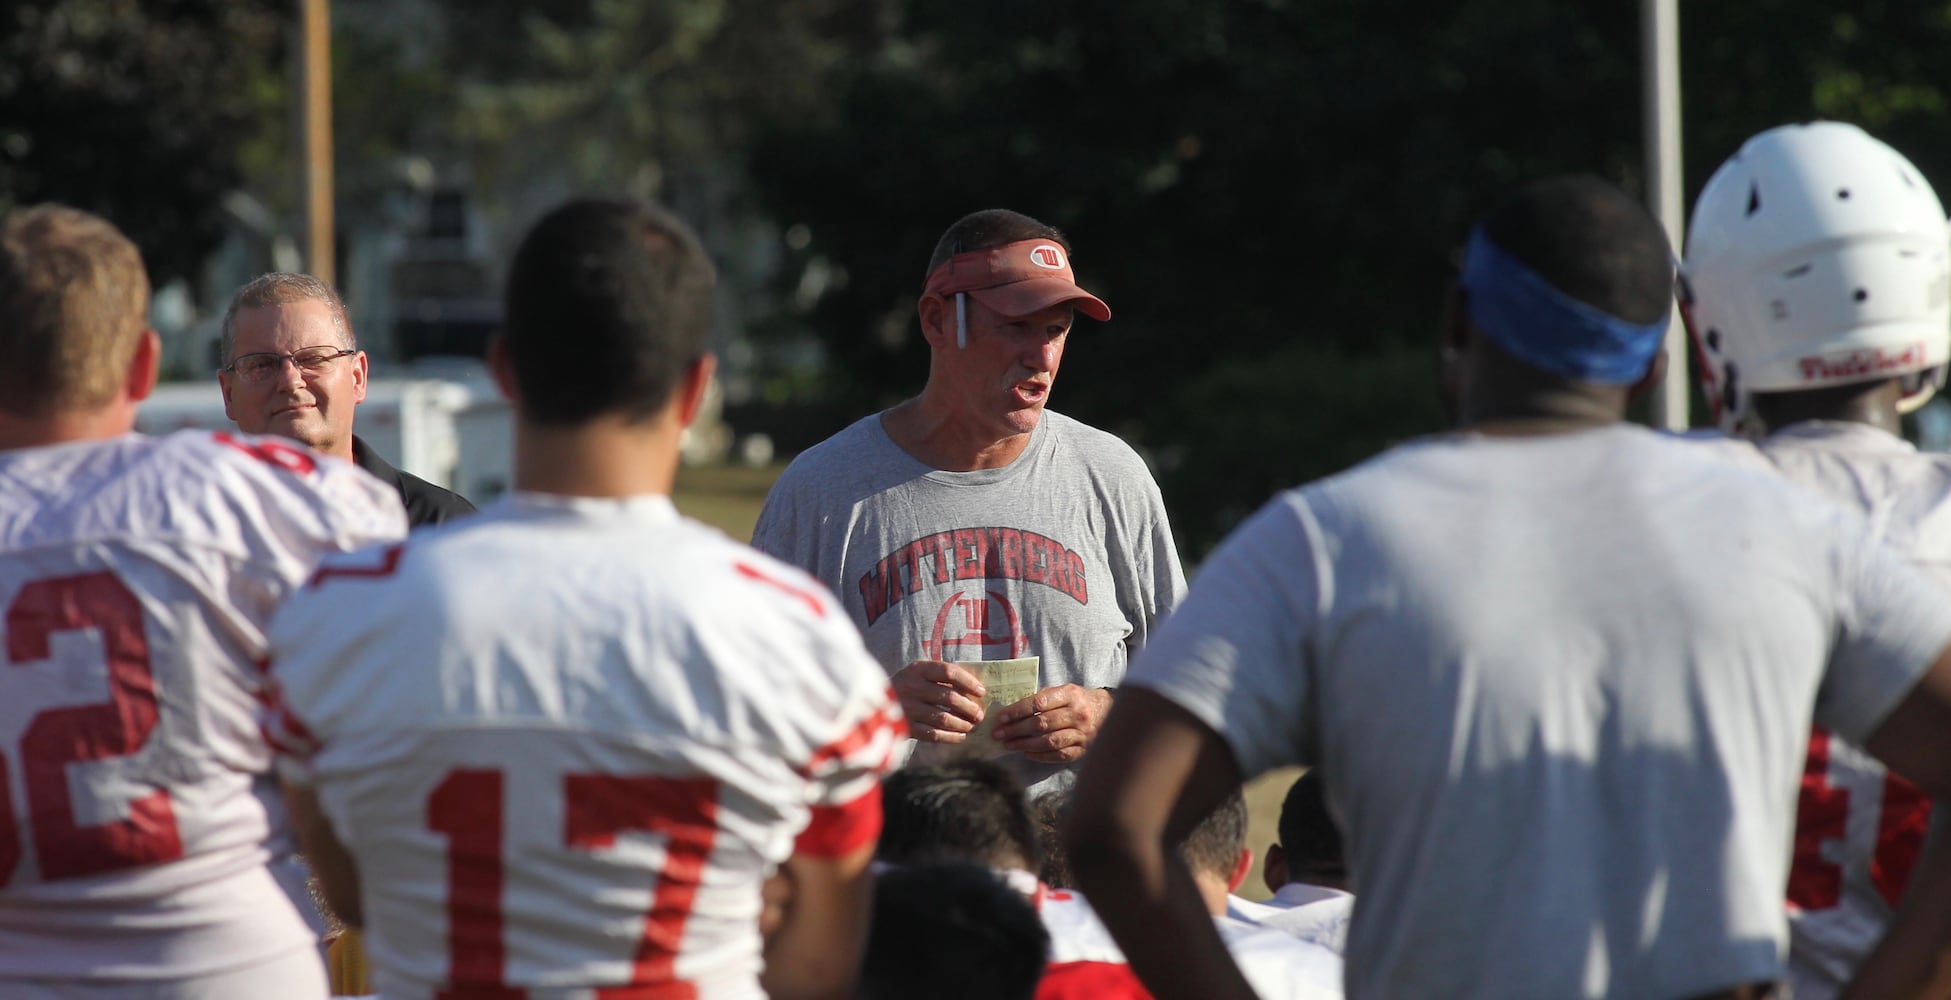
{"x":1545,"y":328}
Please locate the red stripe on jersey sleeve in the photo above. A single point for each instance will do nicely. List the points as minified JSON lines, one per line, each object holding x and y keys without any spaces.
{"x":838,"y":830}
{"x":288,"y":457}
{"x":285,"y":732}
{"x":887,"y":719}
{"x":812,"y":599}
{"x":1090,"y":981}
{"x":389,"y":562}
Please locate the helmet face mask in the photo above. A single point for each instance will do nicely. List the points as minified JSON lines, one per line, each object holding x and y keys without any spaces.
{"x":1816,"y":256}
{"x":1919,"y":387}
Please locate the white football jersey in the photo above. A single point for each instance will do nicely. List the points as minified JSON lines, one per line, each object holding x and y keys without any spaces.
{"x":566,"y":739}
{"x":137,"y":815}
{"x":1858,"y":827}
{"x":1085,"y":963}
{"x":1313,"y":913}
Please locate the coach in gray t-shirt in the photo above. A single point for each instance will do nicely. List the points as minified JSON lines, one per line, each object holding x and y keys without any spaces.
{"x":969,"y":524}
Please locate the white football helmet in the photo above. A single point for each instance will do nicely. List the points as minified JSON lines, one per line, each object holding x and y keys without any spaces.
{"x":1816,"y":256}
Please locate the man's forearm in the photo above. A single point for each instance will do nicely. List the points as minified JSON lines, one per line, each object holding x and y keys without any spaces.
{"x":1913,"y":961}
{"x":814,"y":952}
{"x":1155,"y":772}
{"x":335,"y":875}
{"x":1147,"y":899}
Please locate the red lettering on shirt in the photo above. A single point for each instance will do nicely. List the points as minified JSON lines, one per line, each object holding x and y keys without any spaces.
{"x":990,"y":553}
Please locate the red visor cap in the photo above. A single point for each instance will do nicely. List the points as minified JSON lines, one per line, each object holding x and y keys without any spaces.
{"x":1017,"y":279}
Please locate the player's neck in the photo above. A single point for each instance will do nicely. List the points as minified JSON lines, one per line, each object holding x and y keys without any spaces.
{"x":1542,"y":411}
{"x":1872,"y":403}
{"x":607,"y":457}
{"x":1212,"y":891}
{"x":927,"y":430}
{"x":1500,"y":395}
{"x":65,"y":428}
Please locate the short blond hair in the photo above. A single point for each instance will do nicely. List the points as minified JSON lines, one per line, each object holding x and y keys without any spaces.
{"x":74,"y":301}
{"x":282,"y":288}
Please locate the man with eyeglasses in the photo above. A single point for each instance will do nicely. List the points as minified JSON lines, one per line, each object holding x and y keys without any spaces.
{"x":293,"y":368}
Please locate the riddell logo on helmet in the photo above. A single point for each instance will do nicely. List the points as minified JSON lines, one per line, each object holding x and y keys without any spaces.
{"x":1047,"y":256}
{"x":1873,"y":361}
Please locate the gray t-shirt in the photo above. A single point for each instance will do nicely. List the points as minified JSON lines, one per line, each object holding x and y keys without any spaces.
{"x":1560,"y":690}
{"x":1064,"y":554}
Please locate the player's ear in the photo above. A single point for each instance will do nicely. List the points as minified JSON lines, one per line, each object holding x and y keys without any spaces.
{"x":1241,"y":866}
{"x":1274,"y":872}
{"x":936,"y":319}
{"x":502,"y":369}
{"x":145,"y":364}
{"x":361,"y":371}
{"x":1655,"y":371}
{"x":691,"y":391}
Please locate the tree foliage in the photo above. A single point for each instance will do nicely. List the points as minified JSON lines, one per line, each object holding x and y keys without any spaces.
{"x":139,"y":111}
{"x":655,"y":99}
{"x":1269,"y":192}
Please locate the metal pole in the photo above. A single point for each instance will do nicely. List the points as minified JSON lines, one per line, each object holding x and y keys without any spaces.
{"x":316,"y":114}
{"x":1659,"y":46}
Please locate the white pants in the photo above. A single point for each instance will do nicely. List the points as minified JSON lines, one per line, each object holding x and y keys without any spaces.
{"x":296,"y":976}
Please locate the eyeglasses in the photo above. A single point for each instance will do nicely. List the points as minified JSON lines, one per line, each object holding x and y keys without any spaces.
{"x":311,"y":361}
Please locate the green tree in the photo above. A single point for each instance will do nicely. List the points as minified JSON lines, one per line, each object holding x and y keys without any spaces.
{"x":1259,"y":189}
{"x":1269,"y":192}
{"x":138,"y":111}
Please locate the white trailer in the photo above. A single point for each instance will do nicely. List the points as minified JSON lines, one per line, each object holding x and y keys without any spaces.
{"x":455,"y":432}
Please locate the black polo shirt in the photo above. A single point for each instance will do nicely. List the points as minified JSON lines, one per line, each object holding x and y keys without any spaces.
{"x":425,"y":502}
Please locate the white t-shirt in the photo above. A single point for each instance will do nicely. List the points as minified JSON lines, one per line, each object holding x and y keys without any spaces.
{"x":141,"y":837}
{"x":1559,"y":688}
{"x":1859,"y":827}
{"x":1085,"y":963}
{"x":566,"y":739}
{"x":1313,"y":913}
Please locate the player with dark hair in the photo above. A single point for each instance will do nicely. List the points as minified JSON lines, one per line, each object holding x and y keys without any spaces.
{"x":1310,"y":846}
{"x":1551,"y":649}
{"x":956,"y":927}
{"x":1087,"y":964}
{"x":970,"y":524}
{"x":931,"y":809}
{"x":558,"y":747}
{"x":143,"y":852}
{"x":1306,"y":871}
{"x":1817,"y":273}
{"x":1048,"y":813}
{"x":968,"y":810}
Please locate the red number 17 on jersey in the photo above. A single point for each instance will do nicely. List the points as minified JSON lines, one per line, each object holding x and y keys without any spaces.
{"x":468,"y":808}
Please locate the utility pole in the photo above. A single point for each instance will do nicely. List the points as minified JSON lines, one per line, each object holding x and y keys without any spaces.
{"x":1659,"y":49}
{"x":315,"y":115}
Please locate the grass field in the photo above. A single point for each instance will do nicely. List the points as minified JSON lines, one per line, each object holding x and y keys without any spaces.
{"x":728,"y":497}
